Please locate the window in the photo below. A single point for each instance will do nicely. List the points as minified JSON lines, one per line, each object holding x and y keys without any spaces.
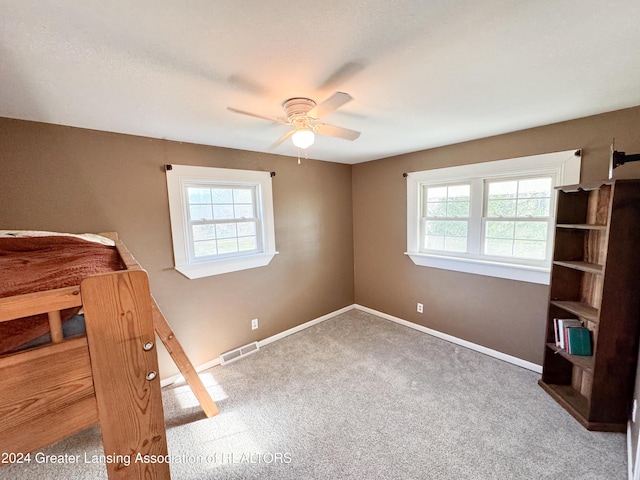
{"x":493,"y":218}
{"x":446,"y":217}
{"x":221,"y":219}
{"x":517,"y":219}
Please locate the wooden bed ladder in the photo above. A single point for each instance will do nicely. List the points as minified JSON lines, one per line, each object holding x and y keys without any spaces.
{"x":171,"y":343}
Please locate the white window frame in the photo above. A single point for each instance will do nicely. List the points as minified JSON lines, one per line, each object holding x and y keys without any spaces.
{"x":563,"y":166}
{"x":179,"y":177}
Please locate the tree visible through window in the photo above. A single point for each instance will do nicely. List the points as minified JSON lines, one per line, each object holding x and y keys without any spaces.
{"x":489,"y":218}
{"x":446,"y":217}
{"x":223,"y":220}
{"x":517,"y":218}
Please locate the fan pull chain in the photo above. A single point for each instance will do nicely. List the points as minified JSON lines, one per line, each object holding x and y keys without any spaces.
{"x":306,"y":155}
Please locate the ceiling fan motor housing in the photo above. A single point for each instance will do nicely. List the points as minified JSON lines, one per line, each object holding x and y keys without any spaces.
{"x":297,"y":108}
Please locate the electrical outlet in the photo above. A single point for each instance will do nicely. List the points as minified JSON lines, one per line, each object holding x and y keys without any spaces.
{"x":420,"y":308}
{"x":254,"y":324}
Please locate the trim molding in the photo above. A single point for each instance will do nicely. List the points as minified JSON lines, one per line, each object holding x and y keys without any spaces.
{"x":630,"y":459}
{"x":308,"y":324}
{"x":261,"y":343}
{"x":434,"y":333}
{"x":458,"y":341}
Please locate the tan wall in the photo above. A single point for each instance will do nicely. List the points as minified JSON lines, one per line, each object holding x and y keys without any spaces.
{"x":75,"y":180}
{"x":504,"y":315}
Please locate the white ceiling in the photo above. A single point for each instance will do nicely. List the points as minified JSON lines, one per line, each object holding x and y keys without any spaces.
{"x":423,"y":73}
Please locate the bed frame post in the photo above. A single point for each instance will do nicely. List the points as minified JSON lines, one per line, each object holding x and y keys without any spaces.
{"x":119,"y":324}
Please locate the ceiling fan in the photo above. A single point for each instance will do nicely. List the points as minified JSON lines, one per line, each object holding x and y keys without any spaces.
{"x":303,"y":114}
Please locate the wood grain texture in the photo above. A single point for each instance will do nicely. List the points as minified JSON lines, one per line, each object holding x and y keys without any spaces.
{"x":171,"y":343}
{"x":127,"y":257}
{"x":29,"y":304}
{"x":55,"y":326}
{"x":600,"y":396}
{"x":47,"y":394}
{"x":119,"y":322}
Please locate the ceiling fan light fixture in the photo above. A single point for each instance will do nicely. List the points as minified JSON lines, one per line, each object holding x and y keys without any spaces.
{"x":303,"y":138}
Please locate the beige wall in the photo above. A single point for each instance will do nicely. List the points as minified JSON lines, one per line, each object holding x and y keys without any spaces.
{"x":75,"y":180}
{"x":504,"y":315}
{"x":70,"y":179}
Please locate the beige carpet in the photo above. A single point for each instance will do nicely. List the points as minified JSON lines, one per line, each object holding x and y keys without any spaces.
{"x":359,"y":397}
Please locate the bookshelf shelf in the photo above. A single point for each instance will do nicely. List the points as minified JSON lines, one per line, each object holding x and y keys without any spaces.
{"x":584,"y":362}
{"x":596,"y":265}
{"x":583,"y":266}
{"x":581,"y":310}
{"x":582,"y":226}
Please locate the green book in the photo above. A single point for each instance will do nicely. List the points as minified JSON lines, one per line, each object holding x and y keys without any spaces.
{"x":579,"y":341}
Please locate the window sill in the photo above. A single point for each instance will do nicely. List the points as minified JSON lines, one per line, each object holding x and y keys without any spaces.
{"x":521,"y":273}
{"x":225,"y":266}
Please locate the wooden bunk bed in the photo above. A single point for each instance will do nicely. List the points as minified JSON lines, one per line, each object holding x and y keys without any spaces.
{"x":108,"y":376}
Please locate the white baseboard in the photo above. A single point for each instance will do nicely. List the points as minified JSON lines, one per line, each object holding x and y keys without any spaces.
{"x":458,"y":341}
{"x":630,"y":459}
{"x":308,"y":324}
{"x":261,"y":343}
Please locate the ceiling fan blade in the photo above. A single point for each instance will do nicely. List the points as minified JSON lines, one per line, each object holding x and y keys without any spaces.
{"x":332,"y":103}
{"x":272,"y":119}
{"x":277,"y":143}
{"x":333,"y":131}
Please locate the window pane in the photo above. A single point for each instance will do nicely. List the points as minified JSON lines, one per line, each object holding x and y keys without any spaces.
{"x":503,"y":190}
{"x":497,"y":247}
{"x":243,"y":211}
{"x":458,"y":193}
{"x":204,"y":232}
{"x":222,"y":195}
{"x":436,"y":209}
{"x":530,"y":249}
{"x":243,"y":195}
{"x":436,"y":194}
{"x":449,"y":201}
{"x":458,"y":209}
{"x":246,"y":229}
{"x":455,"y":244}
{"x":456,"y":229}
{"x":533,"y":207}
{"x":501,"y":208}
{"x":200,"y":212}
{"x":529,"y":197}
{"x":436,"y":228}
{"x":247,"y":243}
{"x":199,"y":195}
{"x":446,"y":235}
{"x":223,"y":212}
{"x":535,"y":187}
{"x":217,"y":205}
{"x":204,"y":249}
{"x":432,"y":242}
{"x":226,"y":230}
{"x":229,"y":245}
{"x":504,"y":230}
{"x":531,"y":231}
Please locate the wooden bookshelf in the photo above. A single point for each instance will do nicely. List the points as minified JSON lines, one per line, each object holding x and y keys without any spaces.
{"x":595,"y":272}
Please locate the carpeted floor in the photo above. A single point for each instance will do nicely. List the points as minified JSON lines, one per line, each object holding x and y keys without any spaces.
{"x":360,"y":397}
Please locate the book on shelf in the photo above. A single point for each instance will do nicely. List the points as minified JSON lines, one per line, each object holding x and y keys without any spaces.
{"x":578,"y":341}
{"x":560,"y":325}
